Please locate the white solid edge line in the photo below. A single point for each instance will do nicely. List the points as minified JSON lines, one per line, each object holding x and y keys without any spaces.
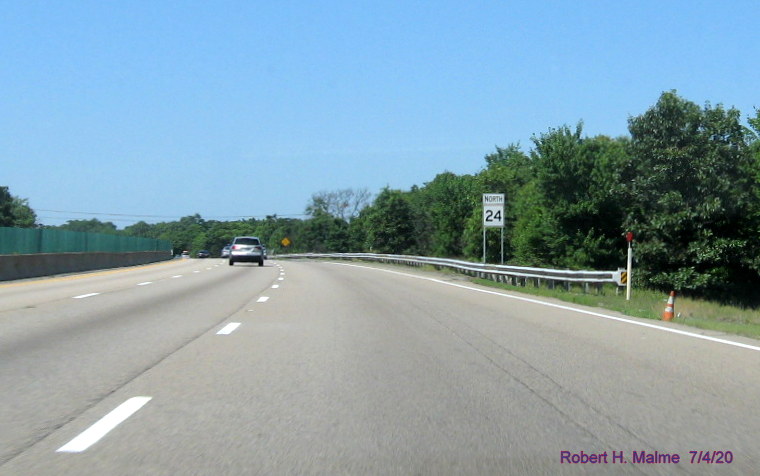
{"x":229,"y":328}
{"x":567,"y":308}
{"x":82,"y":296}
{"x":263,"y":299}
{"x":101,"y":428}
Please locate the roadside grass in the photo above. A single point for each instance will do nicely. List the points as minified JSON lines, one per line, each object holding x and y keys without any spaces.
{"x":430,"y":267}
{"x":650,"y":304}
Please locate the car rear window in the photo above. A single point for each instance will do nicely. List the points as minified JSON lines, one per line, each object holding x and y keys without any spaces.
{"x":247,"y":241}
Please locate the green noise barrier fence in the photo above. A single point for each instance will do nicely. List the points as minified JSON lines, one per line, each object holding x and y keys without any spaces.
{"x":22,"y":241}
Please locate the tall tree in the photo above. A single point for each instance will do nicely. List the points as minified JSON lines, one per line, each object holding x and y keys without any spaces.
{"x":325,"y":233}
{"x":92,"y":225}
{"x":182,"y":233}
{"x":6,"y":207}
{"x":570,"y":212}
{"x":141,"y":229}
{"x":23,"y":215}
{"x":752,"y":255}
{"x":344,"y":204}
{"x":689,"y":196}
{"x":389,"y":223}
{"x":507,"y":171}
{"x":444,"y":204}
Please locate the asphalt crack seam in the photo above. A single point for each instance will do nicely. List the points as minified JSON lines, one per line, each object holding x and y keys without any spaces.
{"x":551,"y":386}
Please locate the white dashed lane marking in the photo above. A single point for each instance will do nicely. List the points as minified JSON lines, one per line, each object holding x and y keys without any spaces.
{"x":263,"y":299}
{"x":82,"y":296}
{"x":101,"y":428}
{"x":229,"y":328}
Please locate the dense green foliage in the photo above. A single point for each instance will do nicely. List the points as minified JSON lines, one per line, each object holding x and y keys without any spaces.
{"x":686,"y":182}
{"x":15,"y":211}
{"x":691,"y":196}
{"x":90,"y":226}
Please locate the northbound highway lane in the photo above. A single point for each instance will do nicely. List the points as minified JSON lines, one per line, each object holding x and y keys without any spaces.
{"x":68,"y":342}
{"x":329,"y":368}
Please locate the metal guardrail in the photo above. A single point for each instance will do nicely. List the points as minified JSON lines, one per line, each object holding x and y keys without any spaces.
{"x":516,"y":275}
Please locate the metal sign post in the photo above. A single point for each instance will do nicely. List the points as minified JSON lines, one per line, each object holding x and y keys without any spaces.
{"x":493,"y":217}
{"x":629,"y":238}
{"x":484,"y":245}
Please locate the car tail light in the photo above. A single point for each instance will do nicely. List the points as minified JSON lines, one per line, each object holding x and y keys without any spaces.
{"x":257,"y":248}
{"x":235,"y":247}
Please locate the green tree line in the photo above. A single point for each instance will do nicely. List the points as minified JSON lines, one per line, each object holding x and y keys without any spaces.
{"x":15,"y":211}
{"x":685,"y":181}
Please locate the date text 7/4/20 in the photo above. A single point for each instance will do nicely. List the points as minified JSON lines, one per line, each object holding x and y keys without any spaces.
{"x":646,"y":457}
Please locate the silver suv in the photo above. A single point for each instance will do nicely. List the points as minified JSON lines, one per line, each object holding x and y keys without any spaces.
{"x":246,"y":248}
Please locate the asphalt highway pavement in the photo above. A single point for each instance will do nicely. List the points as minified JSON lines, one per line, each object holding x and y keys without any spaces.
{"x":308,"y":367}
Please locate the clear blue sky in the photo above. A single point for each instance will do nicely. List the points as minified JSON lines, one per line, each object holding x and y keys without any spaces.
{"x":239,"y":109}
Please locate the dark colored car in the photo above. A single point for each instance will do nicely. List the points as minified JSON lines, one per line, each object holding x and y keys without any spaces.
{"x":204,"y":254}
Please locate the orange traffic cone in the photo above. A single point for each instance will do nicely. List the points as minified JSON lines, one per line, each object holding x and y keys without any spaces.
{"x":668,"y":314}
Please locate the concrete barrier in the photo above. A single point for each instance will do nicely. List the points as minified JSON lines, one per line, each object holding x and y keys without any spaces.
{"x":48,"y":264}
